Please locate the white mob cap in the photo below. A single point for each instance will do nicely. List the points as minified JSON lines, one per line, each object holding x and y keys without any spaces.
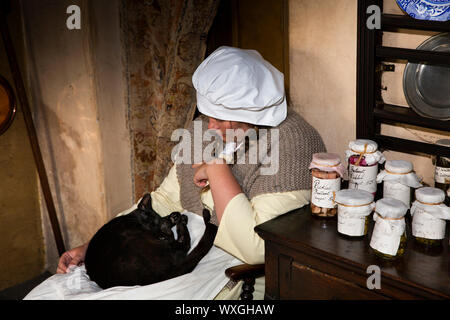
{"x":239,"y":85}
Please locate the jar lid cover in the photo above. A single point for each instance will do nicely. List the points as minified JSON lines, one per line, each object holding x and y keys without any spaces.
{"x":354,"y":197}
{"x":429,"y":195}
{"x":360,"y":144}
{"x":390,"y":208}
{"x":398,"y":166}
{"x":326,"y":159}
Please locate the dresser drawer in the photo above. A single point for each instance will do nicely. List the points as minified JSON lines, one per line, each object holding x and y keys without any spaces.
{"x":302,"y":282}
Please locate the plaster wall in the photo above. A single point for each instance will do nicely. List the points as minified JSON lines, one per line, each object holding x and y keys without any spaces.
{"x":78,"y":93}
{"x":322,"y":40}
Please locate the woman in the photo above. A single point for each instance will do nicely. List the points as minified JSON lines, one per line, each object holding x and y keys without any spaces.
{"x":238,"y":90}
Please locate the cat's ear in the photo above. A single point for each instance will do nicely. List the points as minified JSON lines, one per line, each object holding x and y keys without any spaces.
{"x":146,"y":202}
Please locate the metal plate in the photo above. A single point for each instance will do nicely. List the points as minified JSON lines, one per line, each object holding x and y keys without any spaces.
{"x":7,"y":105}
{"x":437,"y":10}
{"x":427,"y":87}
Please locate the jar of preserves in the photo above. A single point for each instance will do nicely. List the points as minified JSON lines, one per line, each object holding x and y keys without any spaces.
{"x":327,"y":172}
{"x":363,"y":158}
{"x":442,"y":171}
{"x":429,"y":214}
{"x":389,"y":233}
{"x":354,"y":208}
{"x":398,"y":178}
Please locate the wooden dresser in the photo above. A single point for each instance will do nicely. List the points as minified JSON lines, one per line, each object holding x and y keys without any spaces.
{"x":306,"y":258}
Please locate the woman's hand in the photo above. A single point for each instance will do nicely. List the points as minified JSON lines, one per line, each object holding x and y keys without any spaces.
{"x":222,"y":183}
{"x":72,"y":257}
{"x":201,"y":177}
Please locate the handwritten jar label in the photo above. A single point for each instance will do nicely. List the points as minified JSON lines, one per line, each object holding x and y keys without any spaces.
{"x":363,"y":178}
{"x":350,"y":224}
{"x":424,"y":225}
{"x":322,"y":191}
{"x":397,"y":191}
{"x":442,"y":175}
{"x":384,"y":242}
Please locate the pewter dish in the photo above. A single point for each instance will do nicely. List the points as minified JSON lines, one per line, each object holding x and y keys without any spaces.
{"x":436,"y":10}
{"x":427,"y":87}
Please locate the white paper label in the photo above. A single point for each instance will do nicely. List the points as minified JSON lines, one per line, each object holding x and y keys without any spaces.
{"x":363,"y":178}
{"x":442,"y":175}
{"x":397,"y":191}
{"x":383,"y":242}
{"x":350,"y":225}
{"x":322,"y":191}
{"x":426,"y":226}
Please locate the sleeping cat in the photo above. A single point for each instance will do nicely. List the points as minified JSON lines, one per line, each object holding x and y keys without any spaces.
{"x":140,"y":248}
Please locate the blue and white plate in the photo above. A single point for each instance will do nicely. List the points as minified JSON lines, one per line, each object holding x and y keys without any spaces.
{"x":437,"y":10}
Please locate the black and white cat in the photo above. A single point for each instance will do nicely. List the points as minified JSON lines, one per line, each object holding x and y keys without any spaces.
{"x":140,"y":248}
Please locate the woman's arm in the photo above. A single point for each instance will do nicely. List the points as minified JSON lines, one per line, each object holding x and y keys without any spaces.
{"x":166,"y":198}
{"x":237,"y":215}
{"x":236,"y":233}
{"x":222,"y":183}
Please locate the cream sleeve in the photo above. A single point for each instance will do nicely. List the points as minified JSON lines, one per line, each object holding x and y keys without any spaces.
{"x":166,"y":198}
{"x":236,"y":233}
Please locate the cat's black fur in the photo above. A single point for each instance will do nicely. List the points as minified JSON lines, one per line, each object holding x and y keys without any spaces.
{"x":140,"y":248}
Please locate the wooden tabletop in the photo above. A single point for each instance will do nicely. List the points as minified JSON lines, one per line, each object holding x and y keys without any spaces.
{"x":423,"y":268}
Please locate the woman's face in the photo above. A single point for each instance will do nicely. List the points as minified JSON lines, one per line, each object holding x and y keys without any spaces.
{"x":221,"y":126}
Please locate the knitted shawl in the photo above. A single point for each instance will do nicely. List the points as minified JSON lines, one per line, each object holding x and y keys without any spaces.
{"x":298,"y":141}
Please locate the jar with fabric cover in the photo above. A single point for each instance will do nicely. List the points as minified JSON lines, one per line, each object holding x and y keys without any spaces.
{"x":442,"y":172}
{"x":327,"y":172}
{"x":354,"y":208}
{"x":363,"y":158}
{"x":398,"y":178}
{"x":429,"y":216}
{"x":389,"y":233}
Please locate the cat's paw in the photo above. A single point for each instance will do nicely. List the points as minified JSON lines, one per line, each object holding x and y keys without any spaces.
{"x":184,"y":219}
{"x":174,"y":217}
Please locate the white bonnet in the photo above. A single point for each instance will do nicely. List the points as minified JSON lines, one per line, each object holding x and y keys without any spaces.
{"x":239,"y":85}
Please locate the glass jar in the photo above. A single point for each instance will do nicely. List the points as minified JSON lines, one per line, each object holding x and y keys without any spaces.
{"x":442,"y":172}
{"x":429,"y":214}
{"x":389,"y":233}
{"x":354,"y":208}
{"x":363,"y":158}
{"x":398,"y":178}
{"x":327,"y":172}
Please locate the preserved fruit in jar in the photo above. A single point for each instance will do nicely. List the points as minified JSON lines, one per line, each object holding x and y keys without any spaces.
{"x":442,"y":172}
{"x":327,"y":172}
{"x":429,"y":215}
{"x":354,"y":208}
{"x":398,"y":178}
{"x":363,"y":158}
{"x":389,"y":233}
